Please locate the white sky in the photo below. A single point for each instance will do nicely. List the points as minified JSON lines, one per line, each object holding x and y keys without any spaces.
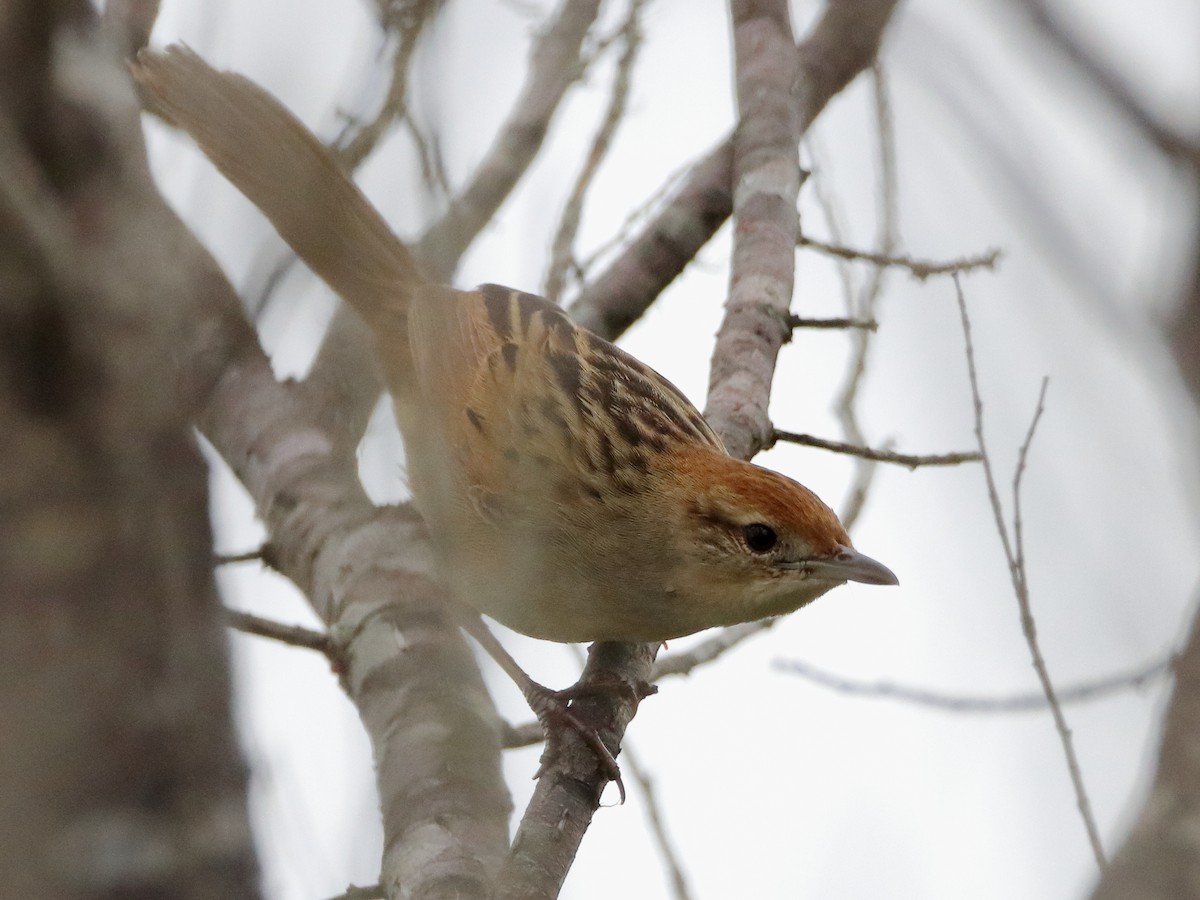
{"x":774,"y":788}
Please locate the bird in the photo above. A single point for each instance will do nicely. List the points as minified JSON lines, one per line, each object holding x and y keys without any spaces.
{"x":571,"y":492}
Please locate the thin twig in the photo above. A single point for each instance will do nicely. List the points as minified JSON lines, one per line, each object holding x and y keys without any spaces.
{"x":562,"y":247}
{"x":225,"y":559}
{"x":1016,"y":567}
{"x":429,"y":156}
{"x":959,"y":703}
{"x":921,"y":269}
{"x":527,"y":734}
{"x":901,"y":459}
{"x":407,"y":22}
{"x":864,"y":469}
{"x":841,"y":44}
{"x":1018,"y":475}
{"x":868,"y":300}
{"x":636,"y":216}
{"x":658,"y":825}
{"x":293,"y":635}
{"x":359,"y":138}
{"x":709,"y":650}
{"x":554,"y":66}
{"x":801,"y":322}
{"x":832,"y":214}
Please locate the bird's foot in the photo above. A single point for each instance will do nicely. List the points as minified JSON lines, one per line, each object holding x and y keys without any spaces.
{"x":552,"y":709}
{"x":635,"y":693}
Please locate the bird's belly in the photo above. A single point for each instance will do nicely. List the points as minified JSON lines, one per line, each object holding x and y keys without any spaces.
{"x":537,"y":586}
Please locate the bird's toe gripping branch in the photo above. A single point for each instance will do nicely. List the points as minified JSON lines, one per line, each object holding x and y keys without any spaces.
{"x":554,"y":710}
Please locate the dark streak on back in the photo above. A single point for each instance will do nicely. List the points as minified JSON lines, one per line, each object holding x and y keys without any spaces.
{"x":509,"y":352}
{"x":553,"y":414}
{"x":527,"y":305}
{"x":627,"y":428}
{"x":495,"y":300}
{"x":569,"y":372}
{"x":608,"y":459}
{"x":650,"y":386}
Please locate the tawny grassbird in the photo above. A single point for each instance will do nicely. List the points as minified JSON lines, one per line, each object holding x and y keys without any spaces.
{"x":571,"y":492}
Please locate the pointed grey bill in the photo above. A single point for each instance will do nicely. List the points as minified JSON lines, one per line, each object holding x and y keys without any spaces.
{"x":850,"y":565}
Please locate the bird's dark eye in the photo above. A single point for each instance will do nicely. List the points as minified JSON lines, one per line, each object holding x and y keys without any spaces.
{"x":760,"y":538}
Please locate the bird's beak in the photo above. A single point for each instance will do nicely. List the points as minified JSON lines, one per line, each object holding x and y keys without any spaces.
{"x":850,"y":565}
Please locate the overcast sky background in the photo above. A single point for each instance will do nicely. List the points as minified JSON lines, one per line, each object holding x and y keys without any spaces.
{"x":772,"y":787}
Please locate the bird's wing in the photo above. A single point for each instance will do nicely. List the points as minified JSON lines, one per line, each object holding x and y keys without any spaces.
{"x":539,"y":410}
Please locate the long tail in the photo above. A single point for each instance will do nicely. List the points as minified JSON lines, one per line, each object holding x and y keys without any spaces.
{"x":268,"y":154}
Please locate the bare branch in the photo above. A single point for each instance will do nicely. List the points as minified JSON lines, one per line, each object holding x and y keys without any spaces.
{"x":653,"y":812}
{"x":1158,"y":860}
{"x":828,"y":205}
{"x":709,"y":650}
{"x":1019,"y":474}
{"x":843,"y":43}
{"x":678,"y":663}
{"x":1183,"y":328}
{"x":766,"y":179}
{"x":293,"y":635}
{"x":658,"y":825}
{"x":637,"y":216}
{"x":526,"y":734}
{"x":562,"y":247}
{"x":1005,"y":168}
{"x":359,"y":139}
{"x":800,"y":322}
{"x":1016,"y":567}
{"x":919,"y":268}
{"x":960,"y":703}
{"x":902,"y":459}
{"x":429,"y":154}
{"x":111,"y":784}
{"x":866,"y":303}
{"x":554,"y":66}
{"x":226,"y":559}
{"x":568,"y":790}
{"x":617,"y":297}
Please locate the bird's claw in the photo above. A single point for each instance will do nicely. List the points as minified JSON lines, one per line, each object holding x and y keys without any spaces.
{"x":635,"y":693}
{"x":552,"y":710}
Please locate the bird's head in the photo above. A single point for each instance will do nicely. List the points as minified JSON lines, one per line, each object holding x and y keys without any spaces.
{"x":756,"y":543}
